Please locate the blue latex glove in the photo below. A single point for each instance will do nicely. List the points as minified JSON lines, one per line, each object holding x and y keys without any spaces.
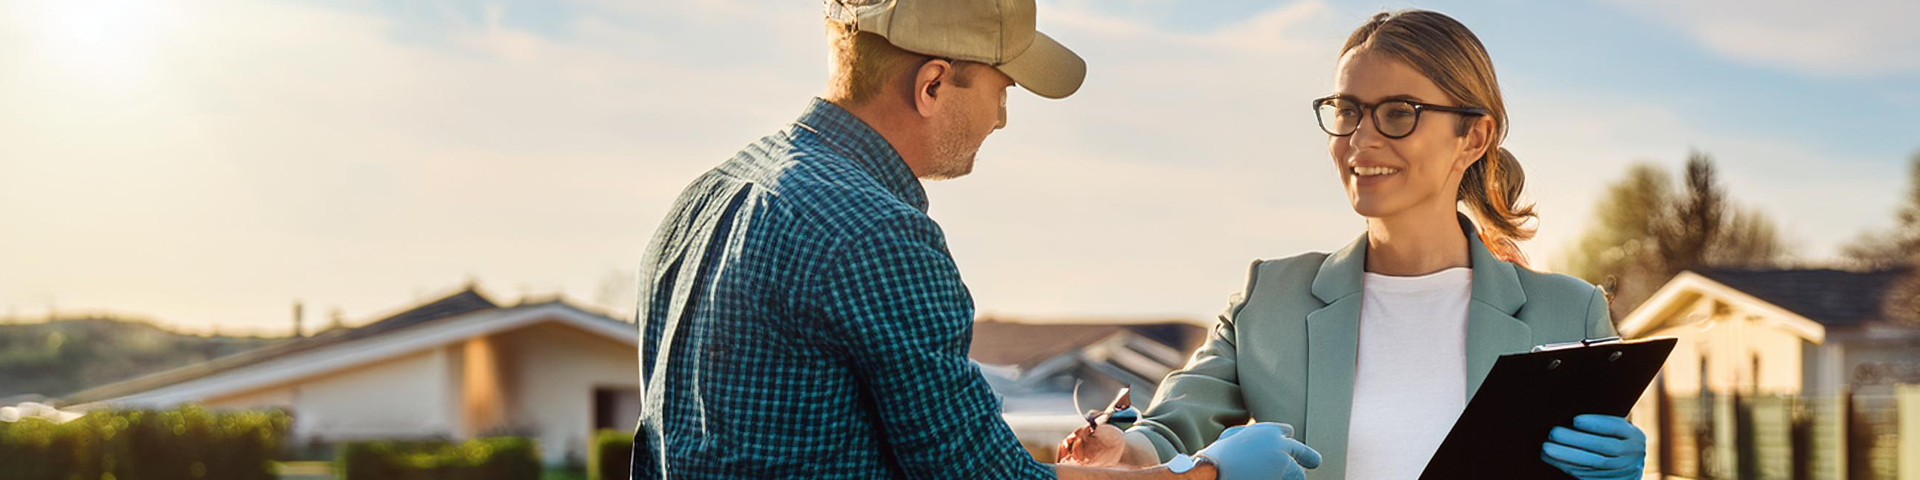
{"x":1598,"y":447}
{"x":1261,"y":451}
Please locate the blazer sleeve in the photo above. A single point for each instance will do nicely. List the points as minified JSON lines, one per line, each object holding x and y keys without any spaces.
{"x":1198,"y":401}
{"x":1599,"y":320}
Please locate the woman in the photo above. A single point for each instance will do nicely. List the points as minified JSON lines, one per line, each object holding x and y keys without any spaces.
{"x":1371,"y":352}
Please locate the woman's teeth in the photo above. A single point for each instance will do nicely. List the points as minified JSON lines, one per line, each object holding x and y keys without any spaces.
{"x":1371,"y":171}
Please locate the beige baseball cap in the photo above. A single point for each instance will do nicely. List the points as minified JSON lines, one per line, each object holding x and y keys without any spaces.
{"x":994,"y":32}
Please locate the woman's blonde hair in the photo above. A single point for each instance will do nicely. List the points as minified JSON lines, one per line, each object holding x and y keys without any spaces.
{"x":1453,"y":58}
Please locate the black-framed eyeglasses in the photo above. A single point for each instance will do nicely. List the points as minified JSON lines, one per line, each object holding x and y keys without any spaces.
{"x":1340,"y":116}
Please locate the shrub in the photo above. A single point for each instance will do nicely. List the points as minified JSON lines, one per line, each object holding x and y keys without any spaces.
{"x":184,"y":444}
{"x":496,"y":458}
{"x":610,"y":456}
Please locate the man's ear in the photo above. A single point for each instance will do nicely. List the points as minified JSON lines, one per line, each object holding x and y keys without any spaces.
{"x":1478,"y":139}
{"x":929,"y":83}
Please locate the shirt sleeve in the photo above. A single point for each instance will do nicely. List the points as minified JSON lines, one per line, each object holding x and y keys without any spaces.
{"x":894,"y":301}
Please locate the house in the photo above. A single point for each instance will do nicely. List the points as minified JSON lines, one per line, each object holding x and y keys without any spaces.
{"x":456,"y":367}
{"x":1036,"y":367}
{"x":1797,"y":331}
{"x":1816,"y":347}
{"x":462,"y":366}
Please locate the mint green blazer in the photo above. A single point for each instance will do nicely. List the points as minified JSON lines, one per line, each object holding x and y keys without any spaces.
{"x":1284,"y":350}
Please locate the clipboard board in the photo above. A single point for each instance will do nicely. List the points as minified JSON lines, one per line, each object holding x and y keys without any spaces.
{"x":1525,"y":395}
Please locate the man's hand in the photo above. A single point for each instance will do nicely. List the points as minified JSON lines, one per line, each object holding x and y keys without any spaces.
{"x":1261,"y":451}
{"x":1093,"y":446}
{"x":1598,"y":447}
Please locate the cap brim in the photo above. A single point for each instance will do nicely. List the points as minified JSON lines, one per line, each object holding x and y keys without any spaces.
{"x":1047,"y":68}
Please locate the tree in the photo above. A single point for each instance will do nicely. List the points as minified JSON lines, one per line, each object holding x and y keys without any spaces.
{"x":1901,"y":302}
{"x":1683,"y":239}
{"x":1645,"y":232}
{"x":1613,"y":252}
{"x":618,"y":292}
{"x":1747,"y":238}
{"x":1896,"y":247}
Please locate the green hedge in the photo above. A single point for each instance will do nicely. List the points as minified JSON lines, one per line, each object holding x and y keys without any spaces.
{"x":185,"y":444}
{"x":610,"y":456}
{"x":496,"y":458}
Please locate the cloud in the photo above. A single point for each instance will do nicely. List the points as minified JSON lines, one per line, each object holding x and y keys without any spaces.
{"x":249,"y":153}
{"x":1844,"y":39}
{"x":1189,"y":154}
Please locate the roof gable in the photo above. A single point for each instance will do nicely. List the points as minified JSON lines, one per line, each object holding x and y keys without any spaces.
{"x":1659,"y":311}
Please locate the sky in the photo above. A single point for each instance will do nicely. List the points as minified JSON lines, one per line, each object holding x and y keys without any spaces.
{"x":207,"y":163}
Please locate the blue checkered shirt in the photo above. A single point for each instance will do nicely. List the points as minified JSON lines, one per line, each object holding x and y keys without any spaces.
{"x":800,"y":317}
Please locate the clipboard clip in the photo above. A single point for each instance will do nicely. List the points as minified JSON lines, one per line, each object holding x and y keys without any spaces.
{"x":1583,"y":343}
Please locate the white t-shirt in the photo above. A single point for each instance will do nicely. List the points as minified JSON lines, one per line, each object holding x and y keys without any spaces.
{"x":1410,"y":382}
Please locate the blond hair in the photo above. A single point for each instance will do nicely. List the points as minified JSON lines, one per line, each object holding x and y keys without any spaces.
{"x":863,"y":63}
{"x":1443,"y":50}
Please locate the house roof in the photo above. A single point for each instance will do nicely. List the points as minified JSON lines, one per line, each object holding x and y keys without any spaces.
{"x":1024,"y":344}
{"x":434,"y":322}
{"x":1834,"y":298}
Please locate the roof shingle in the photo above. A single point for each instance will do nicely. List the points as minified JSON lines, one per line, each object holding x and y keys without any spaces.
{"x":1835,"y":298}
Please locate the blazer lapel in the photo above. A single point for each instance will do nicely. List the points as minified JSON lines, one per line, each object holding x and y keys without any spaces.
{"x":1333,"y":342}
{"x":1491,"y":328}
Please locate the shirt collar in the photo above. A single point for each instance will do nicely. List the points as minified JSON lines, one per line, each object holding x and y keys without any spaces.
{"x":851,"y":138}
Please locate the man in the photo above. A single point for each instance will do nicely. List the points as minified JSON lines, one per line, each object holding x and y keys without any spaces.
{"x":800,"y":315}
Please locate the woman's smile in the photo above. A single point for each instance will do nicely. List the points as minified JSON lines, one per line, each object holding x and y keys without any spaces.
{"x":1369,"y":176}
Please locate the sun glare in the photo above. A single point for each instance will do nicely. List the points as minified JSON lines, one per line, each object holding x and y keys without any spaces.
{"x":101,"y":42}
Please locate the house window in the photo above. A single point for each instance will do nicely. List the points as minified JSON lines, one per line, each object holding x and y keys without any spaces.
{"x":616,"y":408}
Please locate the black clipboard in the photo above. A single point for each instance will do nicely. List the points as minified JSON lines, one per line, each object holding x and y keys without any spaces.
{"x":1527,"y":394}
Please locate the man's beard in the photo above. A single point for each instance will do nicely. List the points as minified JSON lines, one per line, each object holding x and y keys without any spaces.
{"x":953,"y":153}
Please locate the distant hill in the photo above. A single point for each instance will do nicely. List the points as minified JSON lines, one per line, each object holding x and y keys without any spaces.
{"x":64,"y":356}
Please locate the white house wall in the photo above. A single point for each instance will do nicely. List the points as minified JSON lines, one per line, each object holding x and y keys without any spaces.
{"x":1826,"y":368}
{"x":1882,"y":354}
{"x":549,"y":374}
{"x":404,"y":397}
{"x":1730,"y":340}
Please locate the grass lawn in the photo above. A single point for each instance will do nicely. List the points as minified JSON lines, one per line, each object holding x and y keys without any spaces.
{"x":563,"y":474}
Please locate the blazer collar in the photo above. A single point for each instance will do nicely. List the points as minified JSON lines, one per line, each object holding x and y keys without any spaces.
{"x":1495,"y":282}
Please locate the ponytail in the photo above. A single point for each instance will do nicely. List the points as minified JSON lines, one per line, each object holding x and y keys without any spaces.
{"x":1491,"y":190}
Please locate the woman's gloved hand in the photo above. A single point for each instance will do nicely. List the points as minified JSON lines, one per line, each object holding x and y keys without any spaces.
{"x":1261,"y":451}
{"x":1598,"y":447}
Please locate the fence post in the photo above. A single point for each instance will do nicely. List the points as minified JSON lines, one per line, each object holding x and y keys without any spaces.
{"x":1907,"y":405}
{"x":1726,"y":435}
{"x":1827,"y":442}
